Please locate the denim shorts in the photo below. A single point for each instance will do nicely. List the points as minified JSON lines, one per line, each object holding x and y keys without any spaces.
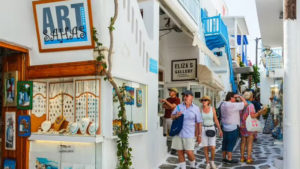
{"x":229,"y":140}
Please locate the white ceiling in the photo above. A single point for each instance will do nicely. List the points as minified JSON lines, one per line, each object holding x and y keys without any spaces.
{"x":271,"y":27}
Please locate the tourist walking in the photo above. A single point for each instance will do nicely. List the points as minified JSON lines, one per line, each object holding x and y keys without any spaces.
{"x":230,"y":119}
{"x":169,"y":105}
{"x":210,"y":119}
{"x":184,"y":142}
{"x":247,"y":136}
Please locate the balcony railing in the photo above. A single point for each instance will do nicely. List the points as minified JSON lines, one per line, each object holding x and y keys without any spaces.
{"x":192,"y":7}
{"x":215,"y":26}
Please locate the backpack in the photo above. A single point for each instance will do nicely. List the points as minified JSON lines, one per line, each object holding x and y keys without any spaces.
{"x":218,"y":112}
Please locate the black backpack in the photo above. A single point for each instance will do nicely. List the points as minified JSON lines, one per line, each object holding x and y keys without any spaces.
{"x":218,"y":112}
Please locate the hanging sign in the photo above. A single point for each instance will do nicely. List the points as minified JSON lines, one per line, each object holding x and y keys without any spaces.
{"x":184,"y":69}
{"x":63,"y":24}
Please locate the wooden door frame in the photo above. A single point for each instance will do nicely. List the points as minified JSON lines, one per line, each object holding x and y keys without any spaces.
{"x":24,"y":73}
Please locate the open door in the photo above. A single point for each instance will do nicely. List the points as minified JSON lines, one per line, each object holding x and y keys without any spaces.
{"x":14,"y":61}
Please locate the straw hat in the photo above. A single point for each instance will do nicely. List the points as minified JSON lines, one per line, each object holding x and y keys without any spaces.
{"x":173,"y":89}
{"x":247,"y":95}
{"x":205,"y":98}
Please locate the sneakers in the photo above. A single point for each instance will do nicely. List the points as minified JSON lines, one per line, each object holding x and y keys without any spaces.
{"x":207,"y":166}
{"x":213,"y":165}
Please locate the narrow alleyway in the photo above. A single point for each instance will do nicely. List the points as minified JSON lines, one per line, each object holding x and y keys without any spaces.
{"x":264,"y":153}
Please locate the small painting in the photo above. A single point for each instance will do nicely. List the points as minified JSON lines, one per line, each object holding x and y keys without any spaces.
{"x":10,"y":130}
{"x":139,"y":97}
{"x":25,"y":95}
{"x":10,"y":88}
{"x":44,"y":163}
{"x":9,"y":164}
{"x":129,"y":95}
{"x":24,"y":126}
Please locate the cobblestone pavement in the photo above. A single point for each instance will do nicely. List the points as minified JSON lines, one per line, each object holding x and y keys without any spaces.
{"x":264,"y":154}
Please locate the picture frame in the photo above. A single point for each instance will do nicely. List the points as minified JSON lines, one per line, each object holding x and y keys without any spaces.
{"x":24,"y":97}
{"x":24,"y":126}
{"x":129,"y":95}
{"x":10,"y":131}
{"x":53,"y":35}
{"x":139,"y":97}
{"x":10,"y":80}
{"x":9,"y":164}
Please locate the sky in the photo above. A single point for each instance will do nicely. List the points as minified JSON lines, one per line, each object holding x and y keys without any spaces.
{"x":247,"y":8}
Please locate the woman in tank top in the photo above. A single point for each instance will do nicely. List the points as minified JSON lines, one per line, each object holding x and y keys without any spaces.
{"x":209,"y":117}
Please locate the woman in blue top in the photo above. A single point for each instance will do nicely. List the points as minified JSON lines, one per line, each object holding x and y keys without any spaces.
{"x":209,"y":117}
{"x":184,"y":141}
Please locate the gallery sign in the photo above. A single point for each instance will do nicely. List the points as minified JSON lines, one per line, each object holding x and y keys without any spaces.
{"x":63,"y":24}
{"x":184,"y":69}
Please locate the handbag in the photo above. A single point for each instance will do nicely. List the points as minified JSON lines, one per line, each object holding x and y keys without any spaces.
{"x":176,"y":125}
{"x":210,"y":133}
{"x":252,"y":124}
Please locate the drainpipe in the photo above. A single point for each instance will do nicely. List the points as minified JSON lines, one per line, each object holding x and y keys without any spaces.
{"x":291,"y":90}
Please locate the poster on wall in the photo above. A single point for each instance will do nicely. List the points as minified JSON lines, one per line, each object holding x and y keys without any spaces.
{"x":129,"y":95}
{"x":139,"y":97}
{"x":42,"y":163}
{"x":25,"y":95}
{"x":10,"y":88}
{"x":24,"y":129}
{"x":10,"y":130}
{"x":183,"y":70}
{"x":63,"y":25}
{"x":9,"y":164}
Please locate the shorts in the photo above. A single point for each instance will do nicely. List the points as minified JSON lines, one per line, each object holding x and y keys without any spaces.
{"x":208,"y":141}
{"x":229,"y":140}
{"x":179,"y":143}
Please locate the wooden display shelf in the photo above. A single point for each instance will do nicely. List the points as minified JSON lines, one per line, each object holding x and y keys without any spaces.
{"x":71,"y":138}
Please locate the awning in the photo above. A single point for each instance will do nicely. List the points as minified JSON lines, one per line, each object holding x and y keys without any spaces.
{"x":208,"y":77}
{"x":202,"y":46}
{"x":242,"y":70}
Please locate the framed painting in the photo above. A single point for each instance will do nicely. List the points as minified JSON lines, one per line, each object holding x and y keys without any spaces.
{"x":129,"y":95}
{"x":9,"y":164}
{"x":139,"y":97}
{"x":63,"y":25}
{"x":10,"y":130}
{"x":24,"y":129}
{"x":24,"y":95}
{"x":10,"y":87}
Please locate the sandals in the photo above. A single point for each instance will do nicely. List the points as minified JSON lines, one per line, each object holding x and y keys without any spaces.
{"x":242,"y":160}
{"x":249,"y":161}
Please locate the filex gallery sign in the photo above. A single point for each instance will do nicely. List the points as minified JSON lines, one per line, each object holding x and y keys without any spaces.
{"x":184,"y":69}
{"x":63,"y":24}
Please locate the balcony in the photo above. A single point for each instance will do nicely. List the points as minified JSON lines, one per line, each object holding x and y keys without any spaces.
{"x":192,"y":7}
{"x":215,"y":32}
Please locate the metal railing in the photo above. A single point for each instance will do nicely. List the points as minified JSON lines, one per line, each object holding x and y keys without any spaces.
{"x":193,"y":9}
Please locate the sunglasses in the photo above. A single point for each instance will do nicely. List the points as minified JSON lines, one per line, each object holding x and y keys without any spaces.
{"x":204,"y":100}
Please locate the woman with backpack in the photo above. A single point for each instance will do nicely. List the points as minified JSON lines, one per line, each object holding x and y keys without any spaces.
{"x":210,"y":119}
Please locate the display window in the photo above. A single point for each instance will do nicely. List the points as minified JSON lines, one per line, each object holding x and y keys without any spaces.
{"x":135,"y":104}
{"x":66,"y":106}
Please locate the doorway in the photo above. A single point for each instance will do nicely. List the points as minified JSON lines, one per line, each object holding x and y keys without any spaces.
{"x":13,"y":63}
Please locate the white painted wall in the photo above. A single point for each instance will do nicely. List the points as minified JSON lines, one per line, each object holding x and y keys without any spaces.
{"x":265,"y":90}
{"x":134,"y":45}
{"x":215,"y":7}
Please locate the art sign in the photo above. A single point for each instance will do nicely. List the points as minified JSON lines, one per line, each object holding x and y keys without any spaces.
{"x":63,"y":24}
{"x":183,"y":70}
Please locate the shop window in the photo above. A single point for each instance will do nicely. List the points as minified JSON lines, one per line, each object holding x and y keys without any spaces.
{"x":66,"y":106}
{"x":135,"y":104}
